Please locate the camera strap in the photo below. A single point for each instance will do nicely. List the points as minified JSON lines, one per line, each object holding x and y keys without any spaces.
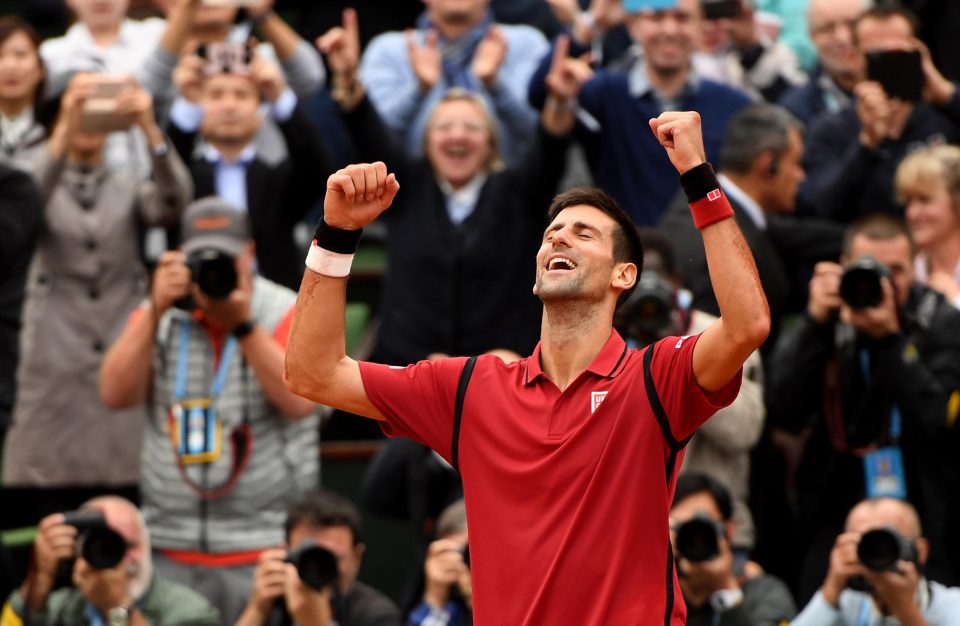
{"x":195,"y":429}
{"x":884,"y":475}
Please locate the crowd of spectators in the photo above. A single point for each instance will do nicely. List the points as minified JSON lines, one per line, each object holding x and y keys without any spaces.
{"x":160,"y":161}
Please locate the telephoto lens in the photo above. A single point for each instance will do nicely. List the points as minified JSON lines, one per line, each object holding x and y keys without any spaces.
{"x":698,"y":539}
{"x":101,"y":546}
{"x":880,"y":549}
{"x":214,"y":273}
{"x":861,"y":284}
{"x":651,"y":304}
{"x":316,"y":565}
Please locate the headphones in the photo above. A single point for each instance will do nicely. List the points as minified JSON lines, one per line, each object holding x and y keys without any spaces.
{"x":774,"y":166}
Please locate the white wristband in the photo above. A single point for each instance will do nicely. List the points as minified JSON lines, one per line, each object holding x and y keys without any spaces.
{"x":328,"y":263}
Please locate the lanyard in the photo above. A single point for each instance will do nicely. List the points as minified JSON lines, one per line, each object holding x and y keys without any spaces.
{"x":180,"y":386}
{"x":896,"y":427}
{"x":864,"y":618}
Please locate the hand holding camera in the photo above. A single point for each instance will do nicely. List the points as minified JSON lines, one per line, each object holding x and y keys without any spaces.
{"x":446,"y":569}
{"x":862,"y":292}
{"x":301,"y":580}
{"x":704,"y":557}
{"x":268,"y":78}
{"x":210,"y":281}
{"x":876,"y":111}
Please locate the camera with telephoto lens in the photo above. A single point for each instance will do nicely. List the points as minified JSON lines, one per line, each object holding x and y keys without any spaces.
{"x":101,"y":546}
{"x":650,"y":306}
{"x":880,"y":549}
{"x":861,"y":285}
{"x":214,"y":273}
{"x":698,"y":539}
{"x":316,"y":566}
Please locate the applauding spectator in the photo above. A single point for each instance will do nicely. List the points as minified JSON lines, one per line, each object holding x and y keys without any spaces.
{"x":445,"y":290}
{"x":456,"y":44}
{"x":84,"y":281}
{"x":928,"y":183}
{"x":612,"y":108}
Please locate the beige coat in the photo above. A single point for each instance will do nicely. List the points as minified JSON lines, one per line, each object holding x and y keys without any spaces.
{"x":85,"y":279}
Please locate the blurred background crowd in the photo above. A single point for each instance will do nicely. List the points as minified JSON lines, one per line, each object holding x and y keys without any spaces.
{"x":163,"y":162}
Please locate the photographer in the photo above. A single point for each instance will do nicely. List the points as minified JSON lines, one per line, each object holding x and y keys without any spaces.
{"x":866,"y":374}
{"x":852,"y":155}
{"x":114,"y":582}
{"x":315,"y":583}
{"x":85,"y":278}
{"x":447,"y":585}
{"x":719,"y":588}
{"x":881,"y":546}
{"x":227,"y":447}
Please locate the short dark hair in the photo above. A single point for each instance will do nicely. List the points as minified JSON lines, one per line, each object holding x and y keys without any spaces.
{"x":323,"y":508}
{"x":753,"y":130}
{"x":626,"y":240}
{"x":877,"y":227}
{"x":887,"y":11}
{"x":693,"y":483}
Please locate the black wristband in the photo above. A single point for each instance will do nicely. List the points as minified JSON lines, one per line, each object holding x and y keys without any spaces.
{"x":698,"y":182}
{"x":243,"y":329}
{"x":339,"y":240}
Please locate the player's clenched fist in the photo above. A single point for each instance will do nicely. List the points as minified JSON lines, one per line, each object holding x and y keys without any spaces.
{"x":357,"y":194}
{"x":679,"y":134}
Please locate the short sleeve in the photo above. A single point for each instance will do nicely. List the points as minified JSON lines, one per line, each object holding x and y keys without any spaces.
{"x":416,"y":401}
{"x":686,"y":404}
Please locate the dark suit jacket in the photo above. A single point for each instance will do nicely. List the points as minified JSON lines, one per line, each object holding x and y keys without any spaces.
{"x":278,"y":195}
{"x":786,"y":244}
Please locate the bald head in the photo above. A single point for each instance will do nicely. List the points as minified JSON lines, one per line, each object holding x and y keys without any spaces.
{"x":830,"y":23}
{"x":884,"y":513}
{"x":127,"y":520}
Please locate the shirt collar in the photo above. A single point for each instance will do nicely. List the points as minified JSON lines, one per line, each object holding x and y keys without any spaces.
{"x":212,"y":155}
{"x":745,"y":202}
{"x":638,"y":82}
{"x":467,"y":194}
{"x":606,"y":364}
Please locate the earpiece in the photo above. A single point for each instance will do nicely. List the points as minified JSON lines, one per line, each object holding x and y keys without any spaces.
{"x":774,"y":166}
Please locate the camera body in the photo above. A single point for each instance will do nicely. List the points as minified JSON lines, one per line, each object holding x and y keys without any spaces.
{"x":899,"y":72}
{"x":214,"y":272}
{"x":698,"y":539}
{"x":99,"y":112}
{"x":861,"y":284}
{"x":316,"y":566}
{"x":880,"y":549}
{"x":100,"y":545}
{"x":650,"y":307}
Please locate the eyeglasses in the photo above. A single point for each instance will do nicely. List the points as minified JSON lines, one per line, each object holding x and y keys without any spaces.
{"x":829,"y":28}
{"x":446,"y":126}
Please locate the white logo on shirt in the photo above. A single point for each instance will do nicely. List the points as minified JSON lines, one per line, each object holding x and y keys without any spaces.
{"x":596,"y":399}
{"x":680,"y":342}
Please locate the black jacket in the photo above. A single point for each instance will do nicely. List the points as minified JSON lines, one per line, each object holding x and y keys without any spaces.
{"x":467,"y":288}
{"x":21,"y":210}
{"x":781,"y":252}
{"x":818,"y":380}
{"x":278,"y":195}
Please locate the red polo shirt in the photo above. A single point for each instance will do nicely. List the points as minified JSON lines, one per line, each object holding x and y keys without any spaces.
{"x":566,"y":492}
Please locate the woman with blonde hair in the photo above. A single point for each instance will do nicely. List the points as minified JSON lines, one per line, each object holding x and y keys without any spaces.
{"x":928,"y":183}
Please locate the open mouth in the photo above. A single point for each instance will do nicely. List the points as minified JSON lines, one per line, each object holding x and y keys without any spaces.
{"x":560,"y":263}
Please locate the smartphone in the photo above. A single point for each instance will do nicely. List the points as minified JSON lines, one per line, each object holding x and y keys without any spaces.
{"x":635,"y":6}
{"x":99,"y":113}
{"x":225,"y":57}
{"x":721,"y":9}
{"x":899,"y":72}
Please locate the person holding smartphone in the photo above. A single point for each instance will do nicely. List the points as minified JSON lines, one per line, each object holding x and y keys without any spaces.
{"x":852,"y":155}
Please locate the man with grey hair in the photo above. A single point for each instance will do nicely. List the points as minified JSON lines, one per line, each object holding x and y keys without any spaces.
{"x":128,"y":593}
{"x":840,"y":64}
{"x":759,"y":171}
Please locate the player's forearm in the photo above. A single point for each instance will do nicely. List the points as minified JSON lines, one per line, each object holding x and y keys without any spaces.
{"x":736,"y":284}
{"x":317,"y":342}
{"x":265,"y":356}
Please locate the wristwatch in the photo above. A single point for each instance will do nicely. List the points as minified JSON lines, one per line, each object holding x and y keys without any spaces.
{"x":118,"y":616}
{"x":725,"y":599}
{"x":243,"y":329}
